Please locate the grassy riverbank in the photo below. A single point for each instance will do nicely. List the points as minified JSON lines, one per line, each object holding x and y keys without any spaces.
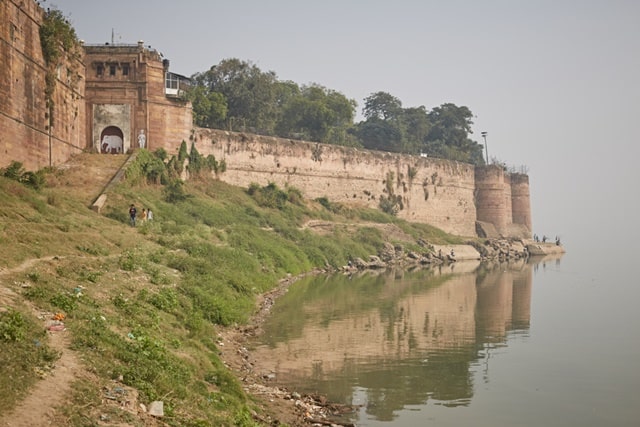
{"x":143,"y":306}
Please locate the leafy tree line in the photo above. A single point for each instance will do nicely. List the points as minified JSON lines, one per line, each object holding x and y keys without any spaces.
{"x":237,"y":95}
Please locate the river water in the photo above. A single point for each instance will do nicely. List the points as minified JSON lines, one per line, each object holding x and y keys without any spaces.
{"x":550,"y":342}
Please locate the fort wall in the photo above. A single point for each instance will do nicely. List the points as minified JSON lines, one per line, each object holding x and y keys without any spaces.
{"x":434,"y":191}
{"x":31,"y":132}
{"x":106,"y":97}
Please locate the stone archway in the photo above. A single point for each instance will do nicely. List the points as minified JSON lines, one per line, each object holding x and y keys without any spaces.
{"x":112,"y":140}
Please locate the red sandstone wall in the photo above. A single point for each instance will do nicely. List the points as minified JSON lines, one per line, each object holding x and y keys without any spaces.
{"x":25,"y":135}
{"x":440,"y":192}
{"x":166,"y":121}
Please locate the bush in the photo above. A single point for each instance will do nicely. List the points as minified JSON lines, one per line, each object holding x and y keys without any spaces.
{"x":391,"y":205}
{"x":12,"y":326}
{"x":174,"y":191}
{"x":269,"y":196}
{"x":16,"y":172}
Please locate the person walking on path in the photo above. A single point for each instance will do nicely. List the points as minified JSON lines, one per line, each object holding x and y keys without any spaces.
{"x":149,"y":215}
{"x":132,"y":215}
{"x":143,"y":217}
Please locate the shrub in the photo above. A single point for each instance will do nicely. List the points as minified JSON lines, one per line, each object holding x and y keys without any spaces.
{"x":64,"y":302}
{"x":269,"y":196}
{"x":14,"y":171}
{"x":391,"y":204}
{"x":174,"y":191}
{"x":12,"y":326}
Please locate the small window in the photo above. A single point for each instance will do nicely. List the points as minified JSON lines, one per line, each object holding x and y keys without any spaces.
{"x":100,"y":70}
{"x":112,"y":70}
{"x":125,"y":69}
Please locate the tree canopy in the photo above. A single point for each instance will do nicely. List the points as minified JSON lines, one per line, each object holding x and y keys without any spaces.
{"x":237,"y":95}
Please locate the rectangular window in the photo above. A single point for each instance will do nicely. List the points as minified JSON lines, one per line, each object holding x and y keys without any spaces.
{"x":100,"y":70}
{"x":112,"y":70}
{"x":125,"y":69}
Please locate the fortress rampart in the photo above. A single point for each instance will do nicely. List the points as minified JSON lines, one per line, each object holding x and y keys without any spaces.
{"x":447,"y":194}
{"x":30,"y":132}
{"x":104,"y":100}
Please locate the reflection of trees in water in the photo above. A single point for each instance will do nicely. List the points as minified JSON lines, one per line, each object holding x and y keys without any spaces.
{"x":432,"y":359}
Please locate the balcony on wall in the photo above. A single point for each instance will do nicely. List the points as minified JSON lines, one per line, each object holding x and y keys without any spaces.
{"x":175,"y":85}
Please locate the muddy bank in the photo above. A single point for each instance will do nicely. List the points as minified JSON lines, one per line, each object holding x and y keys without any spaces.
{"x":278,"y":404}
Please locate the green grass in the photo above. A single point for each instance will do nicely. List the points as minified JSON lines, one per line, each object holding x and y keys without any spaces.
{"x":144,"y":304}
{"x":24,"y":355}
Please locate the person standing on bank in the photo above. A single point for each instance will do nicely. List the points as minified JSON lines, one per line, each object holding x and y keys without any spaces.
{"x":149,"y":215}
{"x":143,"y":217}
{"x":132,"y":215}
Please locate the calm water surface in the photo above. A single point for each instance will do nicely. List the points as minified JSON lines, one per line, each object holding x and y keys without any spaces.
{"x":550,"y":342}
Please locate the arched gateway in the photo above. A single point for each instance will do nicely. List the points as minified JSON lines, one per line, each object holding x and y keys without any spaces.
{"x":112,"y":140}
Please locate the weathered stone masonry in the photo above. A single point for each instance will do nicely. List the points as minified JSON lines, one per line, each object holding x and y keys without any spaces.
{"x":447,"y":194}
{"x":121,"y":90}
{"x":28,"y":133}
{"x":125,"y":95}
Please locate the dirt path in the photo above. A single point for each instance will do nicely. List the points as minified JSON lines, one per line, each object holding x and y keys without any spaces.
{"x":37,"y":409}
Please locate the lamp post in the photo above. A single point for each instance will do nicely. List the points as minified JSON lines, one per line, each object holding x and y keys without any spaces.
{"x":486,"y":149}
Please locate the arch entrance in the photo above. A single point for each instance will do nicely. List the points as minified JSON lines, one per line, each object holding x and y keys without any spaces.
{"x":112,"y":140}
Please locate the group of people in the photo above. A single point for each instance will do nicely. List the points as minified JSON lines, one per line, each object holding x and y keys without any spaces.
{"x":536,"y":239}
{"x":146,"y":215}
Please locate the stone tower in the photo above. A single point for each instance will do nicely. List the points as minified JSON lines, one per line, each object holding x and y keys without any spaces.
{"x":133,"y":100}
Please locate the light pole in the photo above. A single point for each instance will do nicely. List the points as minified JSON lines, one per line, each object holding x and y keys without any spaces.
{"x":486,"y":149}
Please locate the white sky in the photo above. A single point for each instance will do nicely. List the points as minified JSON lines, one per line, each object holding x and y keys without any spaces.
{"x":553,"y":82}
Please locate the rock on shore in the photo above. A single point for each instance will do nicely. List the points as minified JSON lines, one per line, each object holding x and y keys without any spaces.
{"x":490,"y":249}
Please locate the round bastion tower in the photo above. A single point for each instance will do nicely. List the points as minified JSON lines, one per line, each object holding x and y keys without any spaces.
{"x":491,"y":206}
{"x":520,"y":200}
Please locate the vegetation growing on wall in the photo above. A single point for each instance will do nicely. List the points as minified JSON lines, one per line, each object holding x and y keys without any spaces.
{"x":57,"y":37}
{"x":156,"y":168}
{"x":58,"y":40}
{"x":390,"y":203}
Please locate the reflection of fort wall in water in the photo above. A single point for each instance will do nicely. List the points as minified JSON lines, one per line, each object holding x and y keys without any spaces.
{"x":462,"y":313}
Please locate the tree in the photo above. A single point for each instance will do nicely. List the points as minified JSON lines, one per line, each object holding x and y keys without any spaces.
{"x":315,"y":114}
{"x":378,"y":134}
{"x":381,"y":105}
{"x":250,"y":94}
{"x":416,"y":126}
{"x":448,"y":136}
{"x":383,"y":128}
{"x":209,"y":108}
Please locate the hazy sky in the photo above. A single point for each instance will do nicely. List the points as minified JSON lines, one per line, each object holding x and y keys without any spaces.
{"x":555,"y":83}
